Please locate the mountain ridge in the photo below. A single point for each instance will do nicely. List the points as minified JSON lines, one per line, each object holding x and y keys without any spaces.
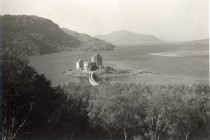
{"x":89,"y":43}
{"x":125,"y":37}
{"x":33,"y":35}
{"x":199,"y":41}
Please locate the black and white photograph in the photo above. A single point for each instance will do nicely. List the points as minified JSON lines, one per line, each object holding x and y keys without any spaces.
{"x":104,"y":70}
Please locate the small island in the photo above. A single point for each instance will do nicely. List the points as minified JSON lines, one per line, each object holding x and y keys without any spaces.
{"x":98,"y":73}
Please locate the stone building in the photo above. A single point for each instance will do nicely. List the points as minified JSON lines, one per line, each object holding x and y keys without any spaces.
{"x":97,"y":59}
{"x":86,"y":65}
{"x":96,"y":62}
{"x":79,"y":64}
{"x":90,"y":66}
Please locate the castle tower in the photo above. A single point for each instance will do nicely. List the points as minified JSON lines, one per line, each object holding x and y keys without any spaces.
{"x":97,"y":59}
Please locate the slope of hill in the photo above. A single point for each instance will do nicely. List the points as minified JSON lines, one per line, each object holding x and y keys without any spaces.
{"x":89,"y":43}
{"x":34,"y":35}
{"x":124,"y":37}
{"x":201,"y":42}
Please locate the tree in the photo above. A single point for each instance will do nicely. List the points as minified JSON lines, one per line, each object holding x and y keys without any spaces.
{"x":119,"y":111}
{"x":28,"y":99}
{"x":70,"y":120}
{"x":152,"y":111}
{"x":178,"y":112}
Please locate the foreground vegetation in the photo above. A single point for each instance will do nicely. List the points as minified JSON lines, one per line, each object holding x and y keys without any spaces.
{"x":33,"y":109}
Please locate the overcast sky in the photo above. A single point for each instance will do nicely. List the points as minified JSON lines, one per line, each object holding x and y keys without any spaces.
{"x":167,"y":19}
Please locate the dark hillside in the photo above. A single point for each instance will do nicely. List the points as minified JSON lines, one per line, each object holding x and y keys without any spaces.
{"x":34,"y":35}
{"x":89,"y":43}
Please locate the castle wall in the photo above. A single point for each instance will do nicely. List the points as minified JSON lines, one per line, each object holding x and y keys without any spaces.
{"x":96,"y":62}
{"x":79,"y":64}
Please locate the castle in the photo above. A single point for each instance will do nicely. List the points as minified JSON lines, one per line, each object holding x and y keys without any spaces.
{"x":96,"y":63}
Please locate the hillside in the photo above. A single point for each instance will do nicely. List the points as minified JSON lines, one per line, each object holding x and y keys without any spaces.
{"x":124,"y":37}
{"x":88,"y":42}
{"x":34,"y":35}
{"x":199,"y":42}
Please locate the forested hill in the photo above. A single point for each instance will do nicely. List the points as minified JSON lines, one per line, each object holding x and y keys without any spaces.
{"x":32,"y":35}
{"x":89,"y":43}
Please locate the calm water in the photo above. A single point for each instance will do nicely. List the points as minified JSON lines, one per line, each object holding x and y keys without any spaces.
{"x":188,"y":61}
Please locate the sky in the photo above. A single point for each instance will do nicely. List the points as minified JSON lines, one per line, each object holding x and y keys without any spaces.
{"x":170,"y":20}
